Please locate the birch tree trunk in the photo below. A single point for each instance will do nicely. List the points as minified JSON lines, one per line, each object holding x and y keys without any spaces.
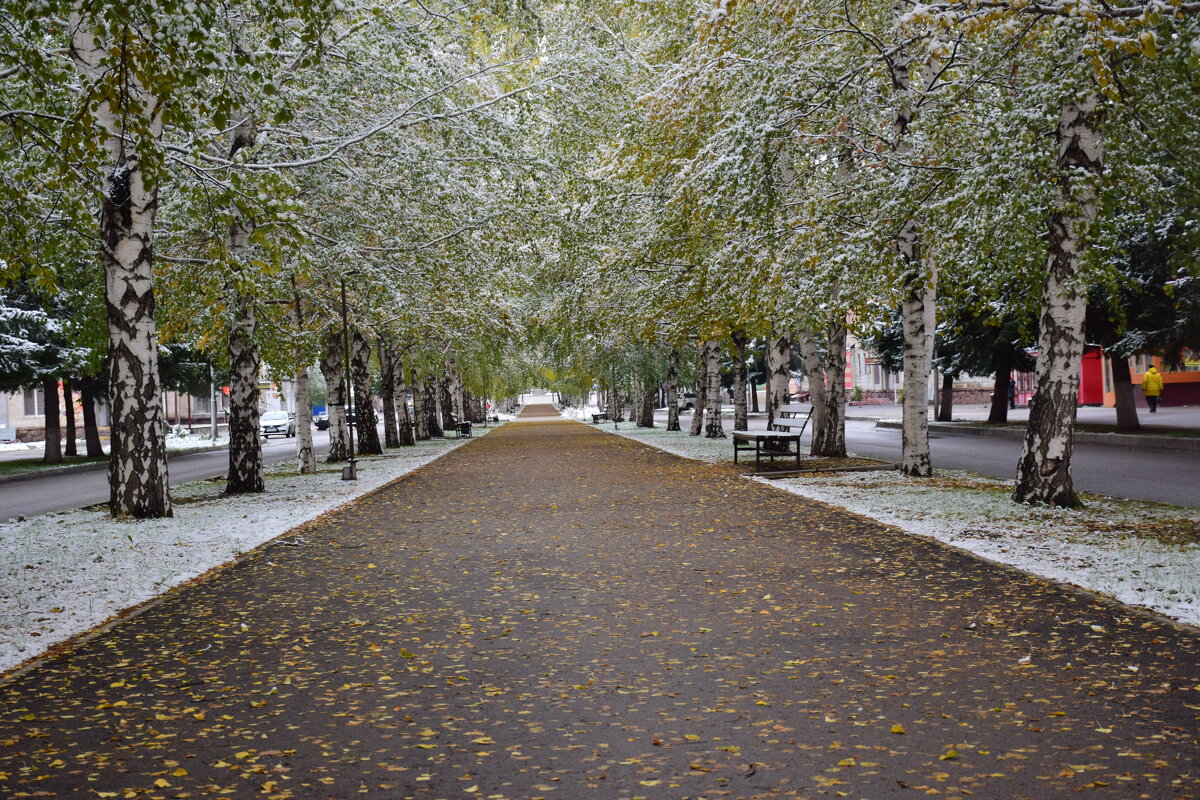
{"x":333,"y":367}
{"x":420,"y":413}
{"x":456,"y":390}
{"x":740,"y":417}
{"x":387,"y":390}
{"x":779,"y":358}
{"x":816,"y":383}
{"x":919,"y":282}
{"x":829,"y":439}
{"x":364,"y":400}
{"x":404,"y":419}
{"x":712,"y":359}
{"x":673,"y":390}
{"x":245,"y":446}
{"x":697,"y":425}
{"x":918,"y":357}
{"x":306,"y":454}
{"x":137,"y":472}
{"x":52,"y":452}
{"x":1044,"y":471}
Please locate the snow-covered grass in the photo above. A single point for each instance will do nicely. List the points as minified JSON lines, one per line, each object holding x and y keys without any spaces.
{"x":1139,"y":553}
{"x":64,"y":573}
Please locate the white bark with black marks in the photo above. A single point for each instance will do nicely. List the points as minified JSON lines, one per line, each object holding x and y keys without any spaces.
{"x":387,"y":391}
{"x":137,"y":472}
{"x":697,"y":425}
{"x":712,"y":360}
{"x":364,"y":400}
{"x":333,"y":368}
{"x":918,"y":313}
{"x":306,"y":454}
{"x":673,"y":390}
{"x":816,"y":380}
{"x":740,"y":416}
{"x":1044,"y":471}
{"x":404,"y":419}
{"x":829,"y":438}
{"x":779,"y":376}
{"x":245,"y":445}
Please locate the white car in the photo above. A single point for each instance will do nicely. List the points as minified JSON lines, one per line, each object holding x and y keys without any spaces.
{"x":276,"y":423}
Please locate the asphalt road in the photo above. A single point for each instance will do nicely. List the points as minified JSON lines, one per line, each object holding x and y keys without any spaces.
{"x":1163,"y":476}
{"x":77,"y":489}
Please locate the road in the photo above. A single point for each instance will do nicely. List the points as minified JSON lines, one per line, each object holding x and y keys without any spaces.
{"x":1164,"y":476}
{"x":76,"y":489}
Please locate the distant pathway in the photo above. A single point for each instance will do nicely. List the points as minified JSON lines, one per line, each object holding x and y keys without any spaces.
{"x":556,"y":612}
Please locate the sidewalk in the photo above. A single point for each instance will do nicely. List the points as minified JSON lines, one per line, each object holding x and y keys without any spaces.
{"x":554,"y":612}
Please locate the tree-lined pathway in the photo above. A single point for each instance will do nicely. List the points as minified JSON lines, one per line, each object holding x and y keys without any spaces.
{"x":556,"y":612}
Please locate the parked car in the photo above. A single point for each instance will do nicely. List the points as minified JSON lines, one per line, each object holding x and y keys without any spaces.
{"x":321,"y":421}
{"x":687,"y":402}
{"x":276,"y":423}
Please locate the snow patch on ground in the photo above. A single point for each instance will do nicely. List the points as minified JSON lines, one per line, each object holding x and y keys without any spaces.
{"x":1096,"y":548}
{"x":15,"y":446}
{"x":581,"y":413}
{"x":62,"y":574}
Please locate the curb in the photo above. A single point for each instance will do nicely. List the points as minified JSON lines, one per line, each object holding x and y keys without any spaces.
{"x":1143,"y":441}
{"x":94,"y":467}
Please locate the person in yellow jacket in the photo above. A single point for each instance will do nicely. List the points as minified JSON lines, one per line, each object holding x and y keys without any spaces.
{"x":1152,"y":388}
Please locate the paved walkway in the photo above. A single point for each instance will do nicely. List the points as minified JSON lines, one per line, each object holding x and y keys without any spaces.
{"x":552,"y":611}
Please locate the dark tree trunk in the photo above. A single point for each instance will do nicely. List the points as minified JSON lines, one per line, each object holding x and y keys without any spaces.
{"x":68,"y":389}
{"x":446,"y":398}
{"x":53,"y":452}
{"x":387,"y":390}
{"x":245,"y":445}
{"x":91,"y":431}
{"x":1127,"y":416}
{"x":753,"y":396}
{"x":998,"y":413}
{"x":646,"y":410}
{"x":432,"y":425}
{"x":946,"y":410}
{"x":333,"y":367}
{"x":673,"y":390}
{"x":364,"y":400}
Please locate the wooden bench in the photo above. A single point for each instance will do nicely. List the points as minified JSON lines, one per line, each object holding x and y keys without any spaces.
{"x":778,"y":441}
{"x":463,"y":429}
{"x":601,"y":417}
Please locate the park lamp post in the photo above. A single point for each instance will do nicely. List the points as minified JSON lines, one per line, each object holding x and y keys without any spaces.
{"x":350,"y":471}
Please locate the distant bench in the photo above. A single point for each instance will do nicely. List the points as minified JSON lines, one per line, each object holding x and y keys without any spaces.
{"x":601,"y":417}
{"x":782,"y":439}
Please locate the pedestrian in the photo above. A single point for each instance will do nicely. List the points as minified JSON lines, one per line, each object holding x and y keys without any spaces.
{"x":1012,"y":393}
{"x":1152,"y":385}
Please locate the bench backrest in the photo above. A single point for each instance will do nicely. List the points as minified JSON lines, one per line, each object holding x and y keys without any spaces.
{"x":793,"y":413}
{"x":795,"y":409}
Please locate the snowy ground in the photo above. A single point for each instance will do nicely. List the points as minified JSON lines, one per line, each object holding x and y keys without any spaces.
{"x":64,"y":573}
{"x":1139,"y":553}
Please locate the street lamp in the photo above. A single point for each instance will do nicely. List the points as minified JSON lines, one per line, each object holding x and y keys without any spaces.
{"x":350,"y":471}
